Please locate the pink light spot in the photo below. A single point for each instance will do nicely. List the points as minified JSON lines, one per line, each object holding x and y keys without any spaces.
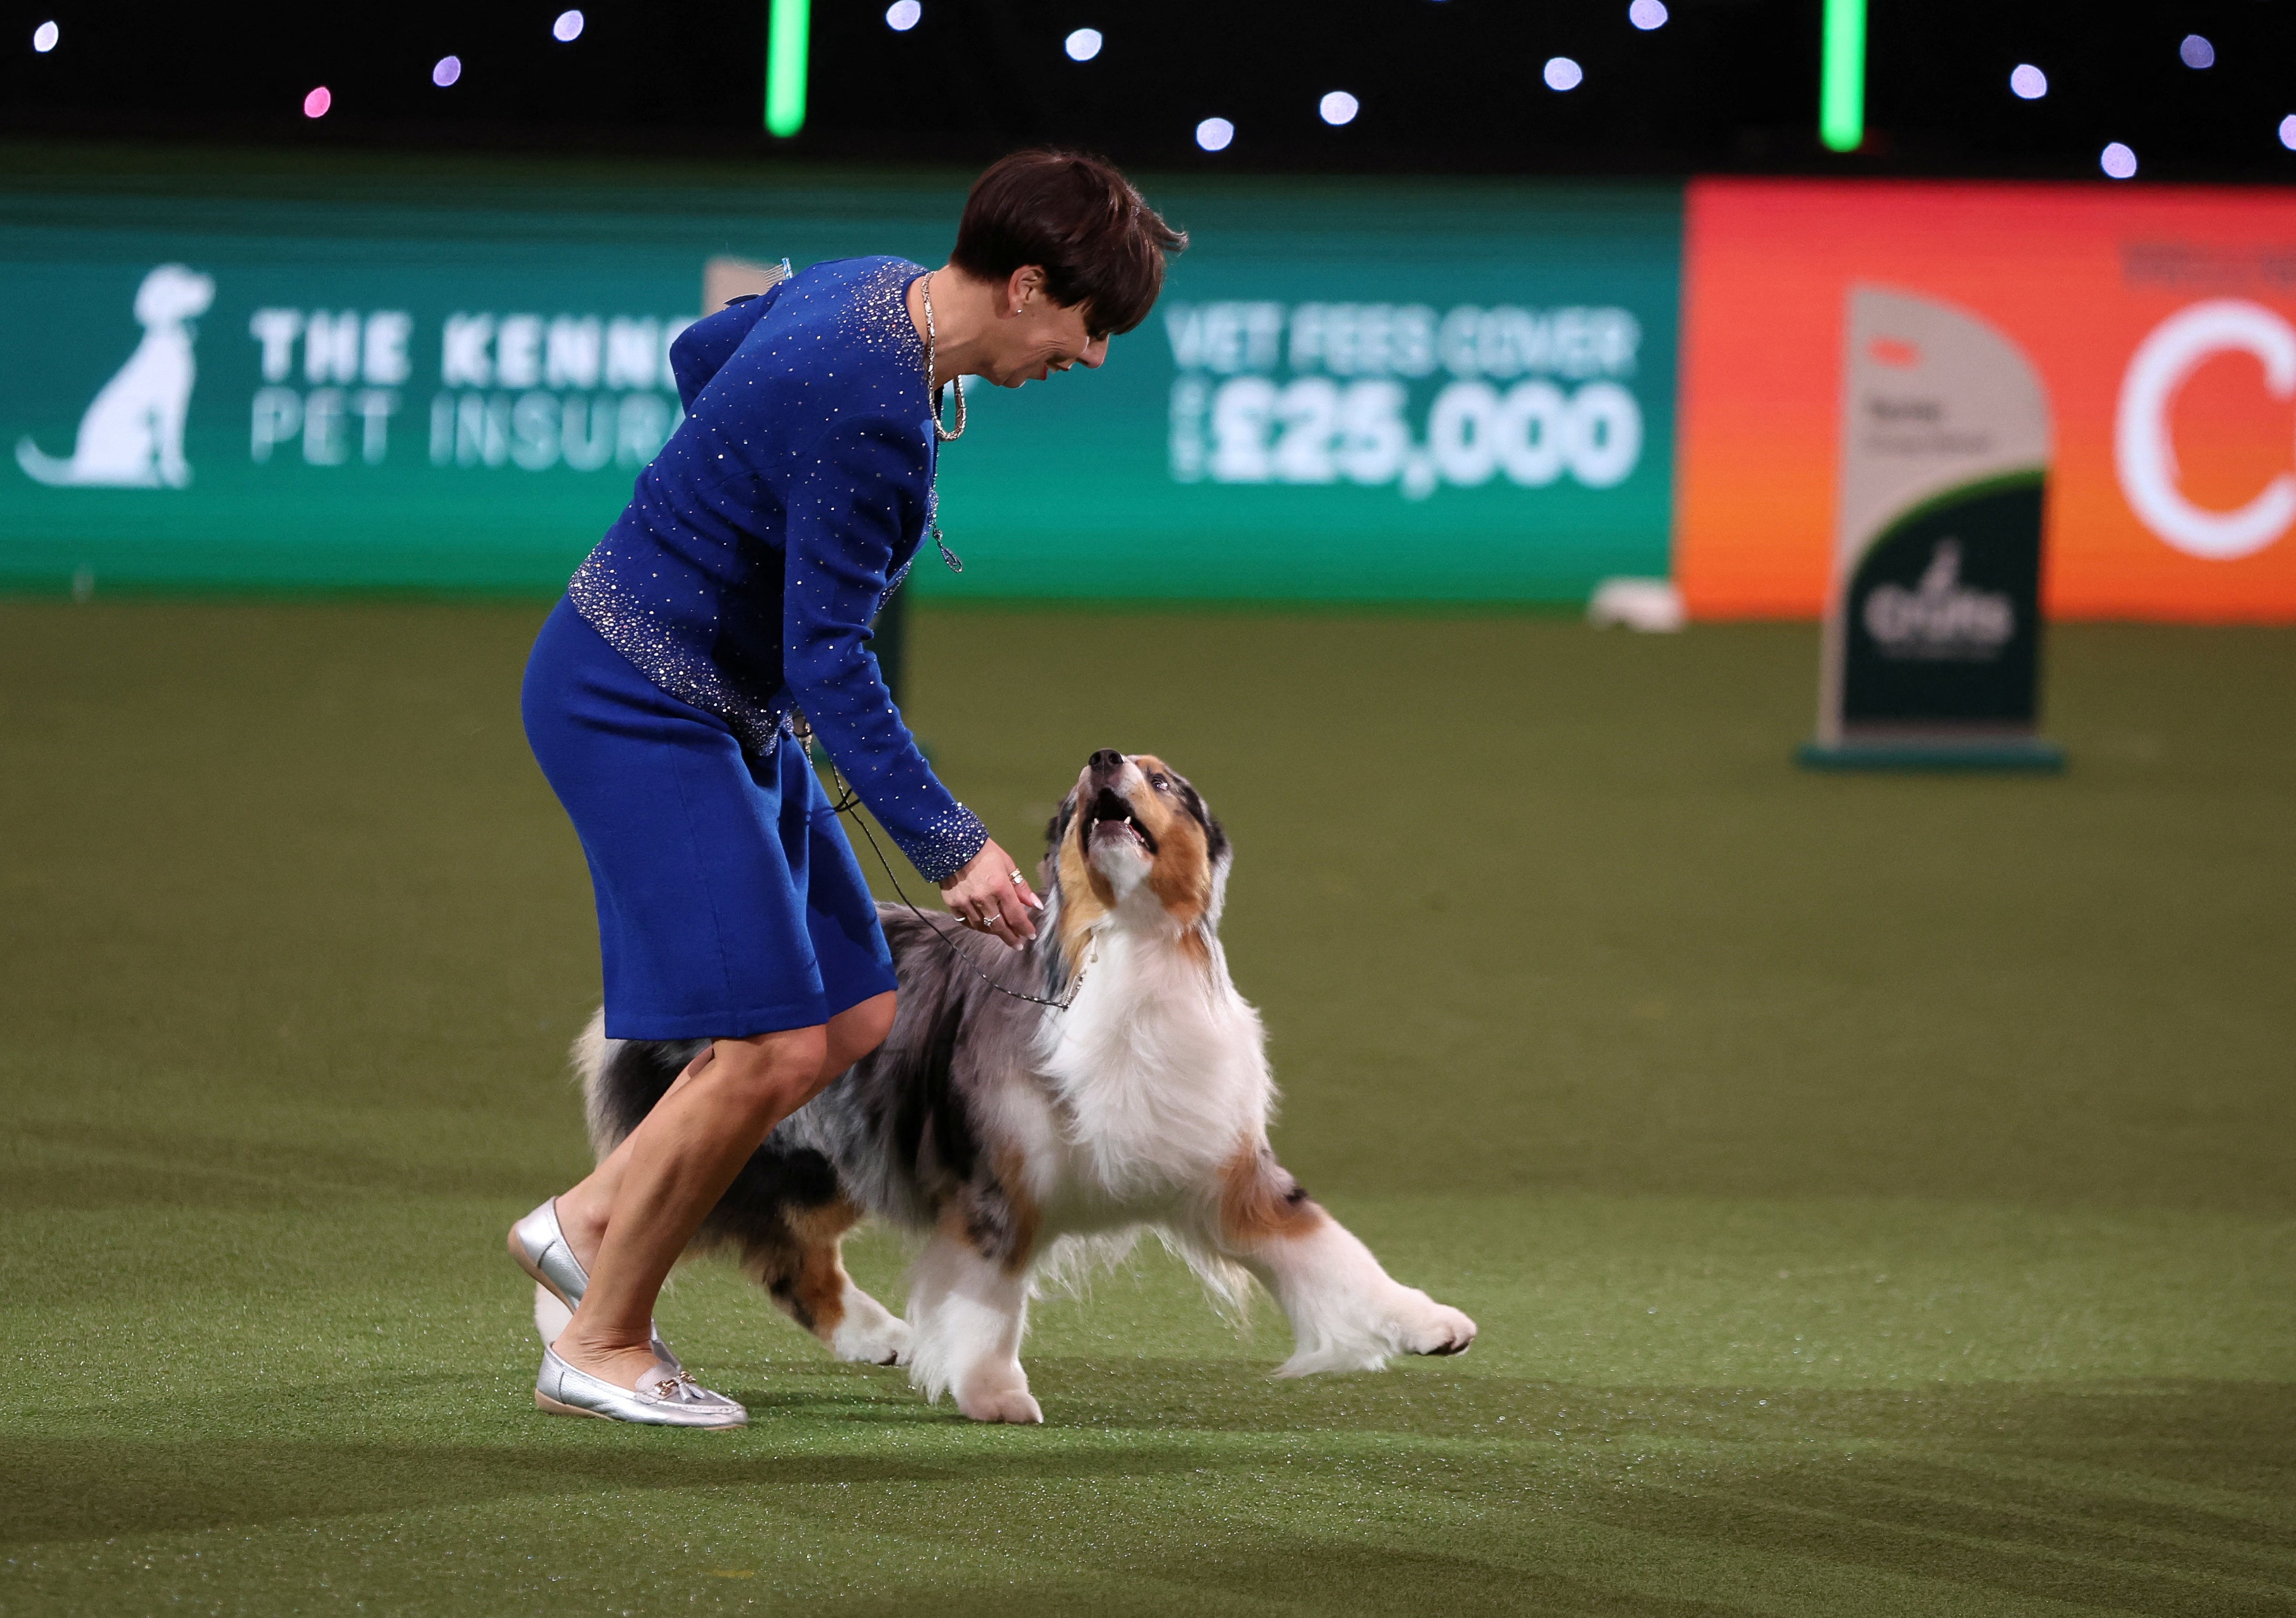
{"x":316,"y":104}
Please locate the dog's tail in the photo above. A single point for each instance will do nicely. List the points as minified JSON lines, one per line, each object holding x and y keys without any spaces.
{"x":43,"y":468}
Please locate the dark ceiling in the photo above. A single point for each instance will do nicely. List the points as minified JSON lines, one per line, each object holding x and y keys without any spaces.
{"x":1445,"y":85}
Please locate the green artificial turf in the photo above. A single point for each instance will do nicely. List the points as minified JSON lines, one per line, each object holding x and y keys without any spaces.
{"x":1877,"y":1194}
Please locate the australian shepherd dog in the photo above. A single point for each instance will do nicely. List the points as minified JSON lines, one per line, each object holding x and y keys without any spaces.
{"x":1019,"y":1139}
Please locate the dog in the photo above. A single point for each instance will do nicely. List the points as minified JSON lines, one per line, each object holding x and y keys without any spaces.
{"x":132,"y":435}
{"x":1020,"y":1138}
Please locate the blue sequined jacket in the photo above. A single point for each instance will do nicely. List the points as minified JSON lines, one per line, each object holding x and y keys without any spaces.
{"x":780,"y":517}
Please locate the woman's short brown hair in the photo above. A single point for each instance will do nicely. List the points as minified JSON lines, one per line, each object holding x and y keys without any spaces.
{"x":1100,"y":245}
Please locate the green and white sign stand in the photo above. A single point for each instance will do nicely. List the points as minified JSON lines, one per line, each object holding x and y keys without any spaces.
{"x":1932,"y":647}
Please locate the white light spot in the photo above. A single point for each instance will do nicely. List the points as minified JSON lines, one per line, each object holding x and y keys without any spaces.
{"x":1339,"y":108}
{"x":568,"y":28}
{"x":2288,"y":132}
{"x":2117,"y":161}
{"x":1647,"y":14}
{"x":45,"y":37}
{"x":316,"y":104}
{"x":1561,"y":73}
{"x":2028,"y":82}
{"x":2196,"y":52}
{"x":446,"y":70}
{"x":903,"y":15}
{"x":1214,"y":133}
{"x":1082,"y":46}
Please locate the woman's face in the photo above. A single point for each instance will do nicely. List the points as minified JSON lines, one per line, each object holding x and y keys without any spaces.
{"x":1034,"y":337}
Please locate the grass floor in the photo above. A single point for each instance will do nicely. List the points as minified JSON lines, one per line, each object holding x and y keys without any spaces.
{"x":1878,"y":1194}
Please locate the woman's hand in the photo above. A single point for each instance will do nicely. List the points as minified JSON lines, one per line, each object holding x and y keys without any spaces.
{"x":990,"y":894}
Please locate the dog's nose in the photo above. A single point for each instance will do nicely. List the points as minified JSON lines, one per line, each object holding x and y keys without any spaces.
{"x":1108,"y":761}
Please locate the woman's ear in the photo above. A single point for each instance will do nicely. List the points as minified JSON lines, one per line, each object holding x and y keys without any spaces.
{"x":1023,"y":287}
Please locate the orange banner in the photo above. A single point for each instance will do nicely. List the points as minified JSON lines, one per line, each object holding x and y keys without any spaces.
{"x":2163,"y":324}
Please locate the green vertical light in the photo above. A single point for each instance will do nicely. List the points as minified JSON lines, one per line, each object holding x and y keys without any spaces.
{"x":1842,"y":84}
{"x":786,"y":27}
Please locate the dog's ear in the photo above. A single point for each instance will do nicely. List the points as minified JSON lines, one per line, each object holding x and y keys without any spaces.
{"x":1215,"y":834}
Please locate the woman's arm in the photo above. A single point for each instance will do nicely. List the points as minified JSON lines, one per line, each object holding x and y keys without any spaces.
{"x":844,"y":517}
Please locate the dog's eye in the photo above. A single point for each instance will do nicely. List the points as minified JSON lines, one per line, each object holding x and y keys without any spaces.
{"x":1159,"y":783}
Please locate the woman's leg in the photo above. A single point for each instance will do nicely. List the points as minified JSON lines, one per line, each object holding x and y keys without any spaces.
{"x":582,"y":1212}
{"x":637,"y":1211}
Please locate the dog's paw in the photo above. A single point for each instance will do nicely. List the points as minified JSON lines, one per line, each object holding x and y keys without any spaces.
{"x":1000,"y":1401}
{"x":883,"y":1341}
{"x":1441,"y":1329}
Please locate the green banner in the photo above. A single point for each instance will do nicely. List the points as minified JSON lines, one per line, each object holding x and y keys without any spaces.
{"x":1356,"y":390}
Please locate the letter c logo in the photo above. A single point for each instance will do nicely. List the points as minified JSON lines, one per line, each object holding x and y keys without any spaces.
{"x":2146,"y":459}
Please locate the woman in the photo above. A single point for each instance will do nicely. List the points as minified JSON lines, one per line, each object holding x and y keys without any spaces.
{"x":735,"y":592}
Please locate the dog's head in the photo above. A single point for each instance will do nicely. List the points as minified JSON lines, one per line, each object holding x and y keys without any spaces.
{"x":1133,"y":832}
{"x":171,"y":293}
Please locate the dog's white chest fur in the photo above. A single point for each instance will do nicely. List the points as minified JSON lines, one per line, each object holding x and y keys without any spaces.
{"x":1155,"y":1072}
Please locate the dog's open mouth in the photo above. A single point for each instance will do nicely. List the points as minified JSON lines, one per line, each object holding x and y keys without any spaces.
{"x":1112,"y":816}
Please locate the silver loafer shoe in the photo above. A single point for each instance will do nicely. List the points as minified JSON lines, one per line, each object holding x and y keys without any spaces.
{"x":668,"y":1399}
{"x":542,"y":1250}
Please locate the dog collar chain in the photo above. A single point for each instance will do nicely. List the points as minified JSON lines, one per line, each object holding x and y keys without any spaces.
{"x":1091,"y":959}
{"x":943,"y":435}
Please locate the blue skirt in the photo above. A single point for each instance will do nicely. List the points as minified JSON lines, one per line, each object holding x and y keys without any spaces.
{"x":729,"y":901}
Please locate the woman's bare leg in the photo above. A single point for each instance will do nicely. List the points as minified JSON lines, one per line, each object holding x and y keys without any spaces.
{"x":582,"y":1212}
{"x":674,"y":1167}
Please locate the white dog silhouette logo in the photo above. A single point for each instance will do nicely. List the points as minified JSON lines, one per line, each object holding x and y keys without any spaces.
{"x":132,"y":435}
